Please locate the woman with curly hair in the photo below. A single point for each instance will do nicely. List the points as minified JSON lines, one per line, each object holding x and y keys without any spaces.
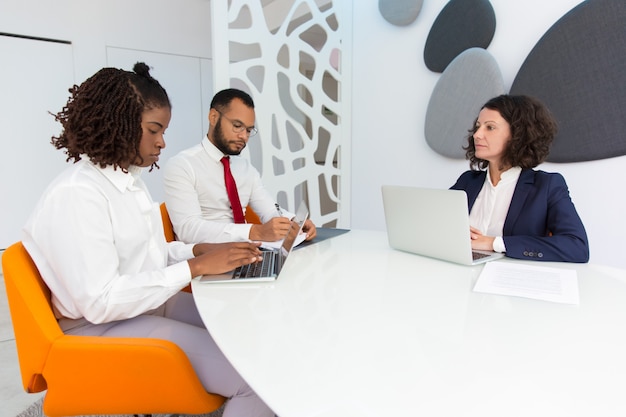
{"x":97,"y":237}
{"x":514,"y":209}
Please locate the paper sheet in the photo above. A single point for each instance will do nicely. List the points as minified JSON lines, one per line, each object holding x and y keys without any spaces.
{"x":530,"y":281}
{"x":275,"y":245}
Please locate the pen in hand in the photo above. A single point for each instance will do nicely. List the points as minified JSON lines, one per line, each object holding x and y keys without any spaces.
{"x":280,"y":212}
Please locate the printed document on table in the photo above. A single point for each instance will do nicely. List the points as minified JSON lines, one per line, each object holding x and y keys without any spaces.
{"x":530,"y":281}
{"x":279,"y":243}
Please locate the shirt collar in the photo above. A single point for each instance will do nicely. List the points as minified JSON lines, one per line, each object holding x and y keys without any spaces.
{"x":507,"y":177}
{"x":120,"y":179}
{"x":212,"y":150}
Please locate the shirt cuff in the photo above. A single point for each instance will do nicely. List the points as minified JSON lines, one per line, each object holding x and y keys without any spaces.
{"x":178,"y":273}
{"x":179,"y":251}
{"x":242,"y":232}
{"x":498,"y":245}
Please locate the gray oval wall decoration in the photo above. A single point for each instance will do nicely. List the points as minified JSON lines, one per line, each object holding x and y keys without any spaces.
{"x":467,"y":83}
{"x":400,"y":12}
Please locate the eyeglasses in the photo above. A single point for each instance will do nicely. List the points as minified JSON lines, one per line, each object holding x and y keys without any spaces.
{"x":239,"y":127}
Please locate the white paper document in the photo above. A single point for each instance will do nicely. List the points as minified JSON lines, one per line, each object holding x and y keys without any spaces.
{"x":277,"y":244}
{"x":530,"y":281}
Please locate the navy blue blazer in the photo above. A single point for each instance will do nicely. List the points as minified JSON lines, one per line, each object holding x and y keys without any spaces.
{"x":542,"y":222}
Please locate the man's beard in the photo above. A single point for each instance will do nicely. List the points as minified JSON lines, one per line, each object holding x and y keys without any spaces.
{"x":220,"y":141}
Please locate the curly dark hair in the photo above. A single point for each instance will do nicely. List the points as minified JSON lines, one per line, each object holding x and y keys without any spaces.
{"x":532,"y":131}
{"x":102,"y":117}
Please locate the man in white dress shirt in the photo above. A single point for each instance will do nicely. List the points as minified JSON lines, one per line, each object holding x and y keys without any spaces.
{"x":195,"y":192}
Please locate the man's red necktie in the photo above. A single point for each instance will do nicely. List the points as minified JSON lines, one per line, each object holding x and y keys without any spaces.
{"x":231,"y":189}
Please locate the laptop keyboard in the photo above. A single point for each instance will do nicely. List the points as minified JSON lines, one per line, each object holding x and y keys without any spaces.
{"x":258,"y":269}
{"x":478,"y":255}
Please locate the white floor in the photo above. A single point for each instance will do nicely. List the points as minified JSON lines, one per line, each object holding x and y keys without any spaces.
{"x":13,"y":399}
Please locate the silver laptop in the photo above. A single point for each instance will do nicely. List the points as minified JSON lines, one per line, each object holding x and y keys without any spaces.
{"x":273,"y":260}
{"x":430,"y":222}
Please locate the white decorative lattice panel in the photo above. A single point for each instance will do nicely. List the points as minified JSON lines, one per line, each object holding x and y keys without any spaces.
{"x":287,"y":55}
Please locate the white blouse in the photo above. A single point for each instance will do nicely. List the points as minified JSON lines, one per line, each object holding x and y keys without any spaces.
{"x":97,"y":238}
{"x":492,"y":205}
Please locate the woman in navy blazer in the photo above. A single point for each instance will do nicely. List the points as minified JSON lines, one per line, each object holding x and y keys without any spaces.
{"x":526,"y":213}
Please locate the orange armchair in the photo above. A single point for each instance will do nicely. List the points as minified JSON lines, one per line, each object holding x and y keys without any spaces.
{"x":90,"y":374}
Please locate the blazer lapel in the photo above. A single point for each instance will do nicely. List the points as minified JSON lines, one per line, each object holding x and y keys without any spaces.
{"x":473,"y":189}
{"x":523,"y":187}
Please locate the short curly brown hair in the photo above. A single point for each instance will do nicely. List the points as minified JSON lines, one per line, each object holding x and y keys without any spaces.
{"x":532,"y":131}
{"x":102,"y":117}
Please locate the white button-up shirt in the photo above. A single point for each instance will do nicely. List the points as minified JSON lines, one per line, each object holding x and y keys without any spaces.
{"x":492,"y":205}
{"x":97,"y":238}
{"x":196,"y":196}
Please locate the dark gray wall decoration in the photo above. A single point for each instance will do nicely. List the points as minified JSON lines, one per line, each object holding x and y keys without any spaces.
{"x":462,"y":24}
{"x":400,"y":12}
{"x":467,"y":83}
{"x":578,"y":68}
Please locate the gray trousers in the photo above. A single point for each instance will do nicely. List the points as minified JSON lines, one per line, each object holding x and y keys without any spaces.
{"x":178,"y":321}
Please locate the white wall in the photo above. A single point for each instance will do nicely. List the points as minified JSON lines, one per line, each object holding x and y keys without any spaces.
{"x":178,"y":27}
{"x":390,"y":83}
{"x":172,"y":37}
{"x":27,"y":159}
{"x":391,"y":90}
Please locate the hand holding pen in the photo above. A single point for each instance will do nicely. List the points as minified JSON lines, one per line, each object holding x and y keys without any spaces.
{"x":274,"y":229}
{"x":308,"y":228}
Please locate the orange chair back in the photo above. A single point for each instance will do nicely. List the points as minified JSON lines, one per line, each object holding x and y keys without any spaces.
{"x":251,"y":216}
{"x":34,"y":324}
{"x":168,"y":228}
{"x":168,"y":231}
